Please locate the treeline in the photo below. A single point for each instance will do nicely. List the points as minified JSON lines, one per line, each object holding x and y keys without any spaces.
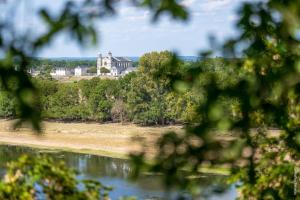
{"x":146,"y":97}
{"x":44,"y":64}
{"x":52,"y":63}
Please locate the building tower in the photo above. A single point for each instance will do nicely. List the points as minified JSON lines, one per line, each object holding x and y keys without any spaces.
{"x":99,"y":63}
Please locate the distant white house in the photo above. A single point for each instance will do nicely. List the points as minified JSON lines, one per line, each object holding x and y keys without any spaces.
{"x":33,"y":72}
{"x":62,"y":71}
{"x":81,"y":71}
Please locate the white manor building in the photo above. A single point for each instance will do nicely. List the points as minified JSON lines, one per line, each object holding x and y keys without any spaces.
{"x":115,"y":66}
{"x":81,"y":71}
{"x":62,"y":71}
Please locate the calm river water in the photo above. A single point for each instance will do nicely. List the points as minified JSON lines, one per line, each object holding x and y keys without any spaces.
{"x":115,"y":172}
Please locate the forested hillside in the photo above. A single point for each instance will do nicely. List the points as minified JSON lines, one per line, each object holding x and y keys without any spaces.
{"x":138,"y":97}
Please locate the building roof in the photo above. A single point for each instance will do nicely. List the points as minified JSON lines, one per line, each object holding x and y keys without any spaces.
{"x":63,"y":68}
{"x":121,"y":59}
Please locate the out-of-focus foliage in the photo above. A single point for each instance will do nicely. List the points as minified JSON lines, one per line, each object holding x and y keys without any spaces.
{"x":7,"y":105}
{"x":262,"y":90}
{"x":42,"y":178}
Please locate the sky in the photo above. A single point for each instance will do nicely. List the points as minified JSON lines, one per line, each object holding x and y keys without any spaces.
{"x":131,"y":32}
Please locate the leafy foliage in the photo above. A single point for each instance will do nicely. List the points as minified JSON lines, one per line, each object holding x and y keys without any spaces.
{"x":262,"y":90}
{"x":42,"y":178}
{"x":104,"y":70}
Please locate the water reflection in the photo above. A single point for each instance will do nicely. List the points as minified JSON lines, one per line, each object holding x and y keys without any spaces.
{"x":98,"y":166}
{"x":115,"y":172}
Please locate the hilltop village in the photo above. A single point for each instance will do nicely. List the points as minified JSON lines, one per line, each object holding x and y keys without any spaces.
{"x":108,"y":66}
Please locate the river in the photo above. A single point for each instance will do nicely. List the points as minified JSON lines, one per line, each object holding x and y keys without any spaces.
{"x":115,"y":172}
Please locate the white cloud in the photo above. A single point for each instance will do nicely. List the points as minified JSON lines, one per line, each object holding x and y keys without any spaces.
{"x":132,"y":13}
{"x":212,"y":9}
{"x":141,"y":16}
{"x":233,"y":18}
{"x":213,"y":5}
{"x":188,"y":3}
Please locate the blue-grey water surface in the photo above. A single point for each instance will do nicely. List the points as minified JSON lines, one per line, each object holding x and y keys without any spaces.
{"x":115,"y":172}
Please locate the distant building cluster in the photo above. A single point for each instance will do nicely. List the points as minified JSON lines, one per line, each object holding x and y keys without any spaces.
{"x":113,"y":66}
{"x":106,"y":66}
{"x":62,"y":71}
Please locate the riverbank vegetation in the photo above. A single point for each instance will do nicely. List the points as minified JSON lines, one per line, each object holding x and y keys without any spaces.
{"x":138,"y":97}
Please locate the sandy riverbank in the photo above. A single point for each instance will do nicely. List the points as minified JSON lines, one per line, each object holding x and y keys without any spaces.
{"x":113,"y":139}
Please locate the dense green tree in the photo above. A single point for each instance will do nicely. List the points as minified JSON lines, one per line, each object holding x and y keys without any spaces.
{"x":92,"y":70}
{"x":104,"y":70}
{"x":99,"y":96}
{"x":147,"y":95}
{"x":119,"y":111}
{"x":7,"y":105}
{"x":64,"y":102}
